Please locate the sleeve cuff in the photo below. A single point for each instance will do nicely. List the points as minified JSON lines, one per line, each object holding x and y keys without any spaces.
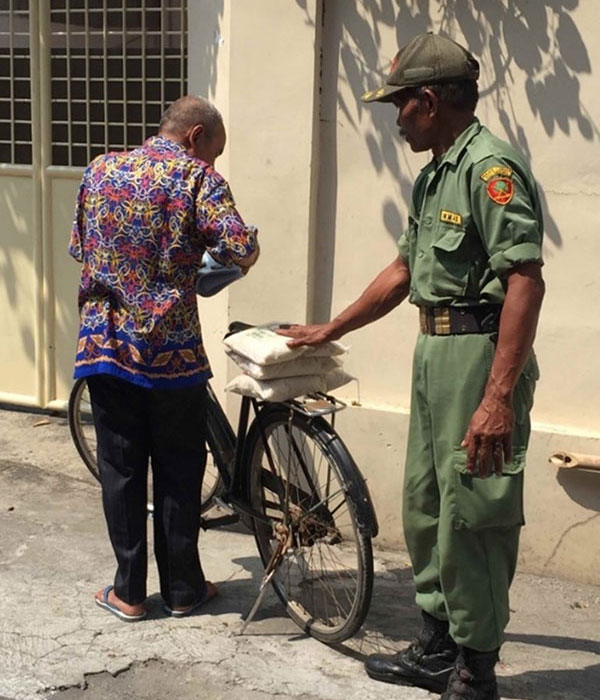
{"x":403,"y":248}
{"x":76,"y":253}
{"x":504,"y":261}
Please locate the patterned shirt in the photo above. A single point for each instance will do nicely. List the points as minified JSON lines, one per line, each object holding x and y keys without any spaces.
{"x":142,"y":223}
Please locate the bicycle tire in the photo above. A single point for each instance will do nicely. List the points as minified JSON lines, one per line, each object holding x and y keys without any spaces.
{"x":326,"y":577}
{"x":83,"y":434}
{"x":81,"y":425}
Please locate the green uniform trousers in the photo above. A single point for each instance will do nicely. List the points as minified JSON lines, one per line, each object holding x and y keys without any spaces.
{"x":462,"y":531}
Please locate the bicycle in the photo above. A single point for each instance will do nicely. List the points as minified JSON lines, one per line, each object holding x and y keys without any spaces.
{"x":290,"y":478}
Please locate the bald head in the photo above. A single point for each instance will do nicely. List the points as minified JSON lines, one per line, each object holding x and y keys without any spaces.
{"x":197,"y":125}
{"x":187,"y":112}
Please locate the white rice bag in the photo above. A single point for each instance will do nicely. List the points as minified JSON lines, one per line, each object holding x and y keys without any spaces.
{"x":265,"y":347}
{"x":337,"y":378}
{"x":276,"y":389}
{"x":287,"y":387}
{"x":292,"y":368}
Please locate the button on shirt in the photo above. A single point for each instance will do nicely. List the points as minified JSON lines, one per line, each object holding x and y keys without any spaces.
{"x":474,"y":216}
{"x":142,"y":222}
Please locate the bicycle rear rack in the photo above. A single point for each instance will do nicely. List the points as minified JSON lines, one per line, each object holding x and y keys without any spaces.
{"x":317,"y":404}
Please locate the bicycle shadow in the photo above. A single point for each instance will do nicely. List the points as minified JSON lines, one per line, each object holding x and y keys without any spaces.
{"x":393,"y":619}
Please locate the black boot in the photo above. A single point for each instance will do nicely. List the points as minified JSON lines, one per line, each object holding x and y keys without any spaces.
{"x":427,"y":663}
{"x":473,"y":676}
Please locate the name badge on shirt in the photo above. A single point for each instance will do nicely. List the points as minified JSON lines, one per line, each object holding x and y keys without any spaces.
{"x":449,"y":217}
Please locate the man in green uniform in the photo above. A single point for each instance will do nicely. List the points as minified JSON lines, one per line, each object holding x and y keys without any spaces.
{"x":471,"y":260}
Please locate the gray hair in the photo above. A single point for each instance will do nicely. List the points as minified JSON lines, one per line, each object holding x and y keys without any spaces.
{"x":188,"y":111}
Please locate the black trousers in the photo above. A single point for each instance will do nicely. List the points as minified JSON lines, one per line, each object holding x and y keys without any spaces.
{"x":166,"y":427}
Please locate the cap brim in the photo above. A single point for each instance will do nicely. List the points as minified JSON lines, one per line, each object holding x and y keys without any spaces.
{"x":383,"y":94}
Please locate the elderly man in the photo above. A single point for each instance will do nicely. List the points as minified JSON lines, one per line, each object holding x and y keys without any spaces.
{"x":471,"y":260}
{"x":142,"y":223}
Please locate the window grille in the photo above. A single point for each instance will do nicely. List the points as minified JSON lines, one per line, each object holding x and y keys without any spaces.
{"x":15,"y":91}
{"x":115,"y":67}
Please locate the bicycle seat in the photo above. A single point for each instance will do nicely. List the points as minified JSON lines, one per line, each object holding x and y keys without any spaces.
{"x":237,"y":327}
{"x":213,"y":277}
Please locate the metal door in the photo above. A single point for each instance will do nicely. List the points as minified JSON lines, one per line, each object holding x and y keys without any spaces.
{"x":77,"y":78}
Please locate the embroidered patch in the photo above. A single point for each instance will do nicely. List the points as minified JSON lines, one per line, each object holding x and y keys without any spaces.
{"x":449,"y":217}
{"x":496,"y":171}
{"x":501,"y":190}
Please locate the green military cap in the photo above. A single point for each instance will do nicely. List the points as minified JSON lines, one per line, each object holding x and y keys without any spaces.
{"x":425,"y":60}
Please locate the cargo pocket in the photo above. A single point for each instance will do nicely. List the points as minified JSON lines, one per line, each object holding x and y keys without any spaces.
{"x":493,"y":502}
{"x":451,"y":262}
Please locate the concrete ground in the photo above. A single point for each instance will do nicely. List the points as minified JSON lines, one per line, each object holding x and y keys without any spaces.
{"x":55,"y":643}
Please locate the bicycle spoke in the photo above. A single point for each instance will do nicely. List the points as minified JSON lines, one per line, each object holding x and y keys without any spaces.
{"x":319,"y":572}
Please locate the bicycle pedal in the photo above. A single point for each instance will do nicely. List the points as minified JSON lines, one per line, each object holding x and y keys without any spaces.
{"x":211,"y":523}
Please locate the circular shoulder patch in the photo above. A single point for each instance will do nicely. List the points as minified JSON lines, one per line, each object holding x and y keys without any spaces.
{"x":501,"y":190}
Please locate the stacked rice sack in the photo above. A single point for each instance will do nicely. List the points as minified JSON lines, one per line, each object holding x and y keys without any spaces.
{"x":272,"y":371}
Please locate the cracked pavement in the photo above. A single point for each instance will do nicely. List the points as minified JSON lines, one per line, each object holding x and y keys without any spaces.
{"x":54,"y":642}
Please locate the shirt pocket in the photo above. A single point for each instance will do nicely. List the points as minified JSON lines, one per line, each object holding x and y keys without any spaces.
{"x":450,"y":261}
{"x":496,"y":501}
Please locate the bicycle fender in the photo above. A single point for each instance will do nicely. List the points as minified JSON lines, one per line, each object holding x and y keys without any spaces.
{"x":355,"y":482}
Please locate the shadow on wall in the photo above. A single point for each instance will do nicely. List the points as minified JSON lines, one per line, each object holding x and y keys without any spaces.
{"x":538,"y":38}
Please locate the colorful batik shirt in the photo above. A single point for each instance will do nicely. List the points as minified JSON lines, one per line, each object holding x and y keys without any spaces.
{"x":142,"y":223}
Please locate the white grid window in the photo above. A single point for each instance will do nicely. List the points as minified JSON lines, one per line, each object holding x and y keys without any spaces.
{"x":116,"y":65}
{"x":15,"y":92}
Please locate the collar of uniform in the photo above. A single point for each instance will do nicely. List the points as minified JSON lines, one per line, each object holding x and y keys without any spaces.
{"x":453,"y":153}
{"x":161,"y":143}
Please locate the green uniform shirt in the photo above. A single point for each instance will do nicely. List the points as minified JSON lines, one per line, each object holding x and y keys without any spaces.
{"x":474,"y":216}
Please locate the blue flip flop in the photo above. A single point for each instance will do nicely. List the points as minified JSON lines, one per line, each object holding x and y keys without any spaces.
{"x":107,"y":605}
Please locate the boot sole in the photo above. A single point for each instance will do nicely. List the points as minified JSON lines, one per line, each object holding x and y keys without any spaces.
{"x":431,"y":684}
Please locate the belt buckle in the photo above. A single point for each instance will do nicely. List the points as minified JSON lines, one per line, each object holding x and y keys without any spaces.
{"x":441,"y":320}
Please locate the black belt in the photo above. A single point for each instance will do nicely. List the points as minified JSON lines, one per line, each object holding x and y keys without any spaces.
{"x":458,"y":320}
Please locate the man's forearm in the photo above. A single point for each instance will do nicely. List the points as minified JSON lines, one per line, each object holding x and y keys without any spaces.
{"x":518,"y":323}
{"x":384,"y":293}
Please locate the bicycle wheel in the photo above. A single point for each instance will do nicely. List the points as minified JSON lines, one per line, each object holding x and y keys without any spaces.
{"x":81,"y":425}
{"x":83,"y":433}
{"x":325,"y":575}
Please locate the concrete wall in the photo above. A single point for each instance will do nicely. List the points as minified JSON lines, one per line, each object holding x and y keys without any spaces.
{"x":327,"y":180}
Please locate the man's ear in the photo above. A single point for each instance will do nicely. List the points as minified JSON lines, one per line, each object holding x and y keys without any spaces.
{"x":194,"y":133}
{"x":430,"y":101}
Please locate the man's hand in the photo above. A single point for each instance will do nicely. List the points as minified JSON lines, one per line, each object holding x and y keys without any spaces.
{"x":316,"y":334}
{"x":489,"y":436}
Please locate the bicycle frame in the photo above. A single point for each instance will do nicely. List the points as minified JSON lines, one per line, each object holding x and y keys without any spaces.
{"x":228,"y":454}
{"x":230,"y":461}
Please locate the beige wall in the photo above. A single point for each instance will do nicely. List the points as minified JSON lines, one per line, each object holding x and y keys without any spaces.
{"x":18,"y":288}
{"x":327,"y":180}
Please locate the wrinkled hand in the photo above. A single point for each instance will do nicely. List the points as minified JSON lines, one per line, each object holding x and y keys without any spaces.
{"x":316,"y":334}
{"x":489,"y":436}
